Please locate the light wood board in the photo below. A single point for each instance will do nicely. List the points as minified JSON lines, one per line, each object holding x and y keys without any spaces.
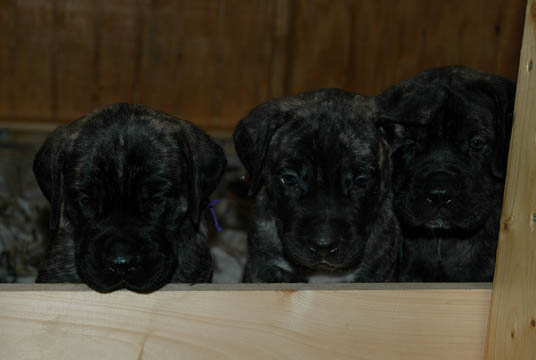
{"x":512,"y":331}
{"x":244,"y":322}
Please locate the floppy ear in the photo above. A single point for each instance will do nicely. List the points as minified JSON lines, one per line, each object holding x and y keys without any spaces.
{"x":47,"y":168}
{"x":393,"y":132}
{"x":502,"y":91}
{"x":206,"y":163}
{"x":252,"y":138}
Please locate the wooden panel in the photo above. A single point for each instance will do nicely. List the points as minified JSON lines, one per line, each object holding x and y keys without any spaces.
{"x":161,"y":54}
{"x":202,"y":25}
{"x":32,"y":66}
{"x":394,"y":41}
{"x":7,"y":44}
{"x":75,"y":55}
{"x":243,"y":323}
{"x":512,"y":331}
{"x":211,"y":61}
{"x":320,"y":50}
{"x":246,"y":50}
{"x":368,"y":72}
{"x":204,"y":59}
{"x":278,"y":50}
{"x":119,"y":49}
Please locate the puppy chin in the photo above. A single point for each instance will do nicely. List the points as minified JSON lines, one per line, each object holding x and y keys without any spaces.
{"x":438,"y":224}
{"x":102,"y":280}
{"x":314,"y":263}
{"x":328,"y":266}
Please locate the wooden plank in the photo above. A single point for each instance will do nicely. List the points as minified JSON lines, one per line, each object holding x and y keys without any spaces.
{"x":509,"y":29}
{"x":32,"y":63}
{"x":369,"y":54}
{"x":453,"y":29}
{"x":389,"y":45}
{"x":211,"y":61}
{"x":244,"y":324}
{"x":321,"y":43}
{"x":161,"y":53}
{"x":512,"y":330}
{"x":119,"y":49}
{"x":197,"y":61}
{"x":244,"y":70}
{"x":279,"y":51}
{"x":75,"y":50}
{"x":241,"y":69}
{"x":7,"y":45}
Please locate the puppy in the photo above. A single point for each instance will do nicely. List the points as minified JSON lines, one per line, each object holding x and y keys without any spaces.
{"x":128,"y":186}
{"x":321,"y":175}
{"x":450,"y":128}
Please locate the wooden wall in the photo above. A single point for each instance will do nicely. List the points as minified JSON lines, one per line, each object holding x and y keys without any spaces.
{"x":210,"y":61}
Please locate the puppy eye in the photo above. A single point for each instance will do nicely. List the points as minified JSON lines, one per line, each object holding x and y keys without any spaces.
{"x":157,"y":199}
{"x":84,"y":201}
{"x":355,"y":181}
{"x":289,"y":178}
{"x":361,"y":180}
{"x":477,"y":143}
{"x":411,"y":145}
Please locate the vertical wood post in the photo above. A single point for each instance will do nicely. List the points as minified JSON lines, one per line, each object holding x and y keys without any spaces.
{"x":512,"y":325}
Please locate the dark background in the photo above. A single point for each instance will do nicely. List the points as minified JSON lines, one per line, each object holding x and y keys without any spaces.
{"x":210,"y":61}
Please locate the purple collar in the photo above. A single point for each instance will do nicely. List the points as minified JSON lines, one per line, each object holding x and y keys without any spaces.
{"x":211,"y":208}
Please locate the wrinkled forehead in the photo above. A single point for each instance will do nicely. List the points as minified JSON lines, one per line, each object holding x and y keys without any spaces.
{"x":326,"y":140}
{"x":124,"y":153}
{"x":463,"y":114}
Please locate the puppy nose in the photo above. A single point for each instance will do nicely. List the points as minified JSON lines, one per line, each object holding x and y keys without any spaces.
{"x":438,"y":196}
{"x":438,"y":191}
{"x":121,"y":259}
{"x":324,"y":245}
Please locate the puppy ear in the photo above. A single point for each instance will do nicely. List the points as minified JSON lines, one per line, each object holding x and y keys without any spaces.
{"x":206,"y":163}
{"x":393,"y":132}
{"x":252,"y":138}
{"x":48,"y":168}
{"x":502,"y":91}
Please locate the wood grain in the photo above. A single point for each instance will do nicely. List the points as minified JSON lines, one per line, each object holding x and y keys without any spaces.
{"x":75,"y":46}
{"x":512,"y":330}
{"x":119,"y":49}
{"x":7,"y":44}
{"x":243,"y":73}
{"x":200,"y":58}
{"x":243,"y":324}
{"x":321,"y":45}
{"x":32,"y":66}
{"x":211,"y":61}
{"x":162,"y":33}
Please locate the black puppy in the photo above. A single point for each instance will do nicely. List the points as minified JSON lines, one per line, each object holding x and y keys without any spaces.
{"x":128,"y":186}
{"x":321,"y":174}
{"x":451,"y":129}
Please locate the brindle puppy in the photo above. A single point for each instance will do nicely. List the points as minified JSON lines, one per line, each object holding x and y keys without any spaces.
{"x":451,"y":129}
{"x":321,"y":172}
{"x":128,"y":187}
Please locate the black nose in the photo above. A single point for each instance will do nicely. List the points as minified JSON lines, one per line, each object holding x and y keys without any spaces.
{"x":438,"y":196}
{"x":439,"y":189}
{"x":122,"y":258}
{"x":324,"y":245}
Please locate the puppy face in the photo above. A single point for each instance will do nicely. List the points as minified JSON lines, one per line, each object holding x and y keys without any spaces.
{"x":324,"y":174}
{"x":451,"y":127}
{"x":130,"y":193}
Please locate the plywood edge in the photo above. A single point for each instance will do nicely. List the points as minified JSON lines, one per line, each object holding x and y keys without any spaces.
{"x":266,"y":287}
